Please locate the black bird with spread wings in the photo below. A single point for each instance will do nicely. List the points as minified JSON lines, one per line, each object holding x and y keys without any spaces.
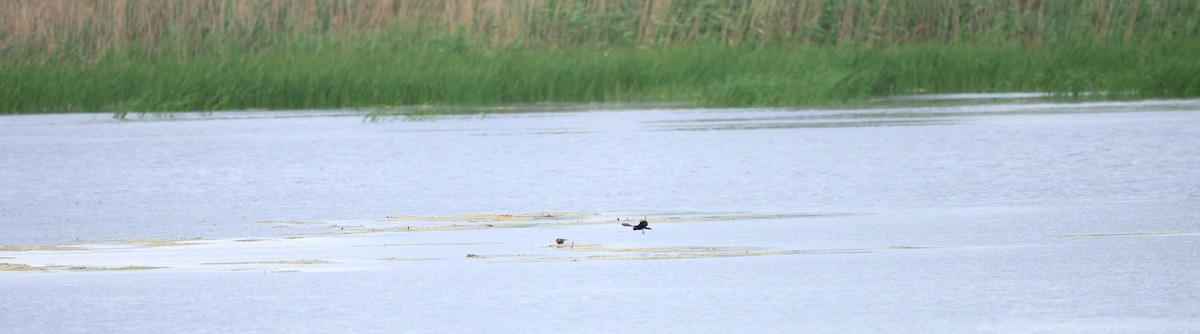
{"x":642,"y":225}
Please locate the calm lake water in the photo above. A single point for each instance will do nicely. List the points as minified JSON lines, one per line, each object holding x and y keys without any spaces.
{"x":955,"y":214}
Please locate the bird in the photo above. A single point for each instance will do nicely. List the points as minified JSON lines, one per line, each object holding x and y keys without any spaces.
{"x":560,"y":240}
{"x":642,"y":225}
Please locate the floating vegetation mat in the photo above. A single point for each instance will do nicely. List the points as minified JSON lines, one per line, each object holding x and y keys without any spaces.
{"x":380,"y":244}
{"x":480,"y":221}
{"x":442,"y":244}
{"x":499,"y":217}
{"x":160,"y":242}
{"x":270,"y":262}
{"x":17,"y":267}
{"x":25,"y":267}
{"x":102,"y":268}
{"x":404,"y":259}
{"x":25,"y":248}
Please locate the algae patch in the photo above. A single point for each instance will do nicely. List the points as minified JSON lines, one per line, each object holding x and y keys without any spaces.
{"x":289,"y":222}
{"x":18,"y":267}
{"x":264,"y":270}
{"x":489,"y":256}
{"x":29,"y":248}
{"x":551,"y":219}
{"x":443,"y":244}
{"x":102,"y":268}
{"x":404,"y":259}
{"x":160,"y":242}
{"x":454,"y":227}
{"x":271,"y":262}
{"x":25,"y":267}
{"x":498,"y":217}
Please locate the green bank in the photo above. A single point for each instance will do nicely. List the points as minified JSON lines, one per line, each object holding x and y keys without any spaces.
{"x":703,"y":75}
{"x":145,"y":56}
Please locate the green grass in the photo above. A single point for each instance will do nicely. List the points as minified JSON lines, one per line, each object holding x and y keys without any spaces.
{"x":433,"y":57}
{"x":699,"y":74}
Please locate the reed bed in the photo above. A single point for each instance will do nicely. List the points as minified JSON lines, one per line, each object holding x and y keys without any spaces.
{"x":703,"y":75}
{"x":128,"y":55}
{"x":48,"y":29}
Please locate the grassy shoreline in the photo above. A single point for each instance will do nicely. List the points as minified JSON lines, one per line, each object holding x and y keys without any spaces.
{"x":145,"y":56}
{"x":704,"y":75}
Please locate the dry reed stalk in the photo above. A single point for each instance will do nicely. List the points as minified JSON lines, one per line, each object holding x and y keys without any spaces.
{"x":877,"y":27}
{"x":1129,"y":25}
{"x":85,"y":28}
{"x":847,"y":21}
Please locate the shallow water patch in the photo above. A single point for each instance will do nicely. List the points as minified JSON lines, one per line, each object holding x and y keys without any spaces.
{"x":682,"y":252}
{"x":911,"y":247}
{"x":810,"y":125}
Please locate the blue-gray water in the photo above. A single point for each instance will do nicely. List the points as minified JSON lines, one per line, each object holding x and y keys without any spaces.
{"x":954,"y":217}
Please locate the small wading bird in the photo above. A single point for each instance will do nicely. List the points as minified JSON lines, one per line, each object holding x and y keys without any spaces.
{"x":642,"y":225}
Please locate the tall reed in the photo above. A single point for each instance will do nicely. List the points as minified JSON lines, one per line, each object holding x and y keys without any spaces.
{"x":710,"y":75}
{"x":89,"y":29}
{"x":128,"y":55}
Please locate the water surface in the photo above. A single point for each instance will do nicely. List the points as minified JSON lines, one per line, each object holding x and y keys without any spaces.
{"x":957,"y":215}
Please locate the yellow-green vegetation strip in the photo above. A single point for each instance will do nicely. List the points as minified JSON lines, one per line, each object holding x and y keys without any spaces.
{"x":498,"y":217}
{"x":18,"y":267}
{"x":405,"y":259}
{"x":672,"y":249}
{"x":292,"y":222}
{"x":1124,"y":234}
{"x":271,"y":262}
{"x":559,"y":217}
{"x":443,"y":244}
{"x":28,"y":248}
{"x":160,"y":242}
{"x":455,"y":227}
{"x":103,"y":268}
{"x":489,"y":256}
{"x":526,"y":220}
{"x":265,"y":270}
{"x":572,"y":245}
